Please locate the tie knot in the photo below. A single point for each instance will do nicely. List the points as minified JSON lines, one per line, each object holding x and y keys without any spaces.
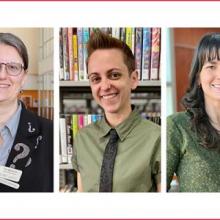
{"x":113,"y":135}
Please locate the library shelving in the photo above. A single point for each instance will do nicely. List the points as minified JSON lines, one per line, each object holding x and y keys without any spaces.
{"x":75,"y":94}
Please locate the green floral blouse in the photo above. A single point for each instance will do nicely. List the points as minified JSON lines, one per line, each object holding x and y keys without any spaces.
{"x":197,"y":168}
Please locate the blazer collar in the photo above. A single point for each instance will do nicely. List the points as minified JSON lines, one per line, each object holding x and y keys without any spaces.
{"x":26,"y":141}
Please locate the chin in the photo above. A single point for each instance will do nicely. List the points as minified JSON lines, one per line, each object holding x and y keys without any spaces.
{"x":110,"y":110}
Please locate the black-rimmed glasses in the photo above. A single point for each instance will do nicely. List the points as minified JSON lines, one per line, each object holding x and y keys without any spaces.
{"x":12,"y":69}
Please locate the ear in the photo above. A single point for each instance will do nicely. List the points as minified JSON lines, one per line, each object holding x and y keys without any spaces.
{"x":134,"y":79}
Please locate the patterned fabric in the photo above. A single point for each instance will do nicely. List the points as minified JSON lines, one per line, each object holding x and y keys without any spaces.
{"x":197,"y":168}
{"x":108,"y":163}
{"x":8,"y":133}
{"x":32,"y":152}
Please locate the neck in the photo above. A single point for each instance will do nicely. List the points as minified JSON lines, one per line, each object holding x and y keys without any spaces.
{"x":115,"y":119}
{"x":7,"y":109}
{"x":214,"y":114}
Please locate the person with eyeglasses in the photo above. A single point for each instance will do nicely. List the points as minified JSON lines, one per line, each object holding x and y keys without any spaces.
{"x":26,"y":140}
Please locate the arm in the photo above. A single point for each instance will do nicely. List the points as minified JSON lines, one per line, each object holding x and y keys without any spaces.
{"x":156,"y":165}
{"x":79,"y":183}
{"x":174,"y":139}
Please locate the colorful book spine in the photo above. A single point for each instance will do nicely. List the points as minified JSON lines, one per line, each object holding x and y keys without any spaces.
{"x":80,"y":121}
{"x":63,"y":140}
{"x":138,"y":50}
{"x":116,"y":33}
{"x":123,"y":34}
{"x":146,"y":52}
{"x":85,"y":54}
{"x":61,"y":53}
{"x":70,"y":51}
{"x":80,"y":53}
{"x":75,"y":56}
{"x":69,"y":138}
{"x":155,"y":54}
{"x":133,"y":40}
{"x":129,"y":37}
{"x":65,"y":54}
{"x":74,"y":125}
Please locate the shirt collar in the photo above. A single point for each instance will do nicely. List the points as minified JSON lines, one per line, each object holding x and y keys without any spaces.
{"x":12,"y":123}
{"x":124,"y":128}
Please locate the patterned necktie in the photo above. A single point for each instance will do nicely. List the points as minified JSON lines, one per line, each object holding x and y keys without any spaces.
{"x":108,"y":163}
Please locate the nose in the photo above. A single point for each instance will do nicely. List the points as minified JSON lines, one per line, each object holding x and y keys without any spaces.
{"x":3,"y":72}
{"x":105,"y":84}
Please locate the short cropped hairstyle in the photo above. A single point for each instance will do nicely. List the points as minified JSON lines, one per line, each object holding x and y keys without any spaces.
{"x":100,"y":40}
{"x":12,"y":40}
{"x":208,"y":49}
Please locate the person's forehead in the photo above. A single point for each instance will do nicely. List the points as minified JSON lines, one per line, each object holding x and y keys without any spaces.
{"x":9,"y":52}
{"x":107,"y":51}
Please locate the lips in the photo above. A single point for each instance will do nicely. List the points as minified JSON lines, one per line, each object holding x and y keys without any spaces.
{"x":109,"y":96}
{"x":4,"y":85}
{"x":216,"y":86}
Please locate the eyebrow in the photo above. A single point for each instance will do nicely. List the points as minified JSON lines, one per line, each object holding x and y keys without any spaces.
{"x":109,"y":71}
{"x":211,"y":62}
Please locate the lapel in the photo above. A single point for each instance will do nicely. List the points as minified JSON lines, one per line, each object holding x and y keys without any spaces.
{"x":26,"y":140}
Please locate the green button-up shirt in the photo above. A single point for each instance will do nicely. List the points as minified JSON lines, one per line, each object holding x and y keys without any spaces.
{"x":137,"y":164}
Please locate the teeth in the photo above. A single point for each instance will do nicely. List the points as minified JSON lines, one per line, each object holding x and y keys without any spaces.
{"x":216,"y":85}
{"x":109,"y":96}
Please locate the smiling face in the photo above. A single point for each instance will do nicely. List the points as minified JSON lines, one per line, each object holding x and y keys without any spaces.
{"x":10,"y":86}
{"x":210,"y":81}
{"x":110,"y":81}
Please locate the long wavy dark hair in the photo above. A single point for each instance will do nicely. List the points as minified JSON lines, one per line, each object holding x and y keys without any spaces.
{"x":208,"y":49}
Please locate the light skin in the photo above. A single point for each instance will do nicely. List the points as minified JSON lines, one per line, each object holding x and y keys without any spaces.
{"x":209,"y":80}
{"x":111,"y":86}
{"x":10,"y":86}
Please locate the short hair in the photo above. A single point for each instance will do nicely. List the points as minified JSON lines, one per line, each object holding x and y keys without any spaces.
{"x":100,"y":40}
{"x":17,"y":43}
{"x":208,"y":49}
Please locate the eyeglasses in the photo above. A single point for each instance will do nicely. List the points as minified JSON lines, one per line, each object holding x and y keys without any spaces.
{"x":12,"y":69}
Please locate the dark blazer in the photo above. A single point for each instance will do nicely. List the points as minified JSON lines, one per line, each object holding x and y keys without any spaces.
{"x":34,"y":145}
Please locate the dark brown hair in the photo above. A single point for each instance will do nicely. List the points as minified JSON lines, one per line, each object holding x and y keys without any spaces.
{"x":208,"y":49}
{"x":17,"y":43}
{"x":100,"y":40}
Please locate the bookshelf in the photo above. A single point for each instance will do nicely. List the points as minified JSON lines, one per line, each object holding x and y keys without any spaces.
{"x":76,"y":98}
{"x":45,"y":77}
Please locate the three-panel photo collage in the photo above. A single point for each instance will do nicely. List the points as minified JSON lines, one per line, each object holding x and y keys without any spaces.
{"x":110,"y":109}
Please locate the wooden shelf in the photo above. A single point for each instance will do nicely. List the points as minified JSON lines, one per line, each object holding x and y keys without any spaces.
{"x":83,"y":86}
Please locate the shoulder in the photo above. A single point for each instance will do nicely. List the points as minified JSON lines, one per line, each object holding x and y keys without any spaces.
{"x":89,"y":129}
{"x":149,"y":126}
{"x":180,"y":118}
{"x":40,"y":122}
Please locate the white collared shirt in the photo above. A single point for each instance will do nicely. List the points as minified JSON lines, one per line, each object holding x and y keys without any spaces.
{"x":8,"y":133}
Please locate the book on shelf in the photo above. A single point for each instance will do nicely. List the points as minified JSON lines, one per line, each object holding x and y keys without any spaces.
{"x":138,"y":51}
{"x":155,"y":53}
{"x":69,"y":126}
{"x":144,"y":43}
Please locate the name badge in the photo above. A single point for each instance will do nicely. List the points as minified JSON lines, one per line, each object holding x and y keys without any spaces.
{"x":9,"y":183}
{"x":10,"y":173}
